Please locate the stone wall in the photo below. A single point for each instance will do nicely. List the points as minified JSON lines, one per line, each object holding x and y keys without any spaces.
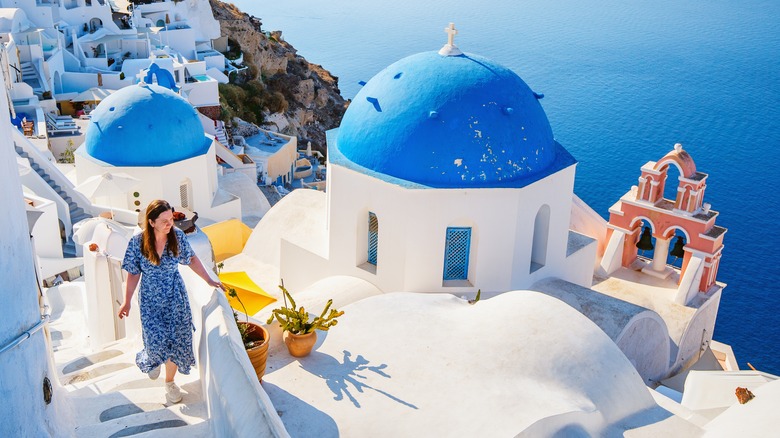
{"x":211,"y":112}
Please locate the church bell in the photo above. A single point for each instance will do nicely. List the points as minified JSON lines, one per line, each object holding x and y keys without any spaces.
{"x":677,"y":250}
{"x":645,"y":243}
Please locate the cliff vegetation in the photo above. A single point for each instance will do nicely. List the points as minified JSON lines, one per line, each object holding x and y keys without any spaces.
{"x":279,"y":89}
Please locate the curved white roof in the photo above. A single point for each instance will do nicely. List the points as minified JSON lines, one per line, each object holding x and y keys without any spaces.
{"x":433,"y":365}
{"x":13,"y":20}
{"x":754,"y":418}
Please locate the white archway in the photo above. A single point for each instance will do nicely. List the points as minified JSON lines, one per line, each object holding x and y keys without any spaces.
{"x":540,"y":237}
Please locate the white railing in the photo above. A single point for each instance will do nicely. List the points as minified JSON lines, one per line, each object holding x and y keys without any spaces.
{"x":55,"y":174}
{"x":237,"y":405}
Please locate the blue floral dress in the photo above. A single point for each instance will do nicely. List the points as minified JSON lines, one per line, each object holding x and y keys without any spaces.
{"x":166,"y":318}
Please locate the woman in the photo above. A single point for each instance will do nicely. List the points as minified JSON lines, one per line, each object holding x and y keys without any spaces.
{"x":153,"y":257}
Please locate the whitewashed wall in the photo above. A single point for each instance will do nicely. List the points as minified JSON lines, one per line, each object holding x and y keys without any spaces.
{"x":202,"y":93}
{"x":41,"y":17}
{"x":75,"y":82}
{"x":79,"y":16}
{"x":163,"y":183}
{"x":181,"y":40}
{"x":47,"y":229}
{"x":24,"y":367}
{"x":698,"y":333}
{"x":502,"y":222}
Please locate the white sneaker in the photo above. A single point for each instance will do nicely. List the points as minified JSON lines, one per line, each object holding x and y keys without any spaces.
{"x":155,"y":373}
{"x":172,"y":392}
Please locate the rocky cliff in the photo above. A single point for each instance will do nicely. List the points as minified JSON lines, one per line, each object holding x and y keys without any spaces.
{"x":312,"y":101}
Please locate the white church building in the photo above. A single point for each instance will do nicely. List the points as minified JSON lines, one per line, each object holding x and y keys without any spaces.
{"x":455,"y":154}
{"x":151,"y":134}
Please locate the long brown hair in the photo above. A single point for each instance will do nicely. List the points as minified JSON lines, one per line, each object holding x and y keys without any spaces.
{"x":148,"y":247}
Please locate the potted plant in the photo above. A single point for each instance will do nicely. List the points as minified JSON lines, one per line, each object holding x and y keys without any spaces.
{"x":187,"y":224}
{"x":254,"y":336}
{"x":300,"y":332}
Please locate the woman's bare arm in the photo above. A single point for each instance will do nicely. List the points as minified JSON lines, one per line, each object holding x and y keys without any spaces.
{"x":132,"y":282}
{"x":198,"y":268}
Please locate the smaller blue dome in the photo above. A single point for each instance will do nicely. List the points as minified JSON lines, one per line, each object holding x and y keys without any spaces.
{"x":145,"y":125}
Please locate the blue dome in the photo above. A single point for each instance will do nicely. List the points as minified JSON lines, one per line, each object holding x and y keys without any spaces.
{"x":145,"y":125}
{"x":448,"y":121}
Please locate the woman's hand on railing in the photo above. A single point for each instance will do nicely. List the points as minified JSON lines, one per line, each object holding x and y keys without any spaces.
{"x":215,"y":283}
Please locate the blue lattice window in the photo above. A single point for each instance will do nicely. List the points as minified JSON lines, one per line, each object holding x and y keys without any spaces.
{"x":456,"y":253}
{"x":373,"y":237}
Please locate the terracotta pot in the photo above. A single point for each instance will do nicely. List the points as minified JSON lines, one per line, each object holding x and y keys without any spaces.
{"x":258,"y":354}
{"x":299,"y":345}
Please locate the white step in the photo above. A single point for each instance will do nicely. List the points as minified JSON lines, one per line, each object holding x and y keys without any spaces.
{"x":110,"y":395}
{"x":127,"y":418}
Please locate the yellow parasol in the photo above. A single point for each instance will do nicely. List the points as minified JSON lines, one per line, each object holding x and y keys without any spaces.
{"x":252,"y":295}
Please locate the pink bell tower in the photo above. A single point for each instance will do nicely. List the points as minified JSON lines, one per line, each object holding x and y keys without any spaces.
{"x":687,"y":212}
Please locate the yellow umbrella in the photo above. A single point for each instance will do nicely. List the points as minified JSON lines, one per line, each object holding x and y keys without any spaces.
{"x":252,"y":295}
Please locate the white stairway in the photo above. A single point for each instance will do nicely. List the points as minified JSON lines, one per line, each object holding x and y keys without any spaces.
{"x":31,"y":77}
{"x":111,"y":397}
{"x":221,"y":135}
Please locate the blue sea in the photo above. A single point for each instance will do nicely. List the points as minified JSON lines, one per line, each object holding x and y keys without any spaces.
{"x":623,"y":82}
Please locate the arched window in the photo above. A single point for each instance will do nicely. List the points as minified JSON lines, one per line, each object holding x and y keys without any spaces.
{"x":57,"y":83}
{"x":539,"y":245}
{"x":672,"y":183}
{"x":373,"y":237}
{"x":456,"y":253}
{"x":95,"y":24}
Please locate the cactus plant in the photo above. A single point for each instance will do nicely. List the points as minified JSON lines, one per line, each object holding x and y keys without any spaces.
{"x":297,"y":321}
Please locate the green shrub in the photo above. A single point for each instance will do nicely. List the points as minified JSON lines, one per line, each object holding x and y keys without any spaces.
{"x":249,"y":100}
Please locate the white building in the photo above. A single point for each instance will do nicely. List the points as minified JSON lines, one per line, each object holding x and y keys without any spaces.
{"x":54,"y":51}
{"x":465,"y":167}
{"x":32,"y":406}
{"x":69,"y":46}
{"x":155,"y":136}
{"x":455,"y":154}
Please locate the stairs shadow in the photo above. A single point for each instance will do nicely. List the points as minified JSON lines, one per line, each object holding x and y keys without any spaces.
{"x":85,"y":361}
{"x":120,"y":411}
{"x":135,"y":430}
